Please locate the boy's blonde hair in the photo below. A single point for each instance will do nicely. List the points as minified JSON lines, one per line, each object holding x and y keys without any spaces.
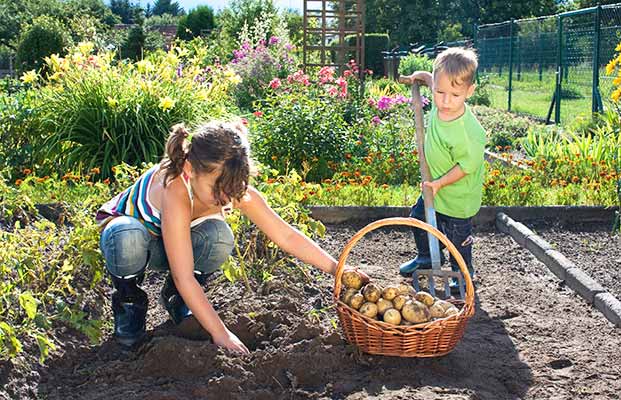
{"x":459,"y":64}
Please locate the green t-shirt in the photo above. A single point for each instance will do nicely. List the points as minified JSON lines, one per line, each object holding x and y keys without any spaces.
{"x":461,"y":141}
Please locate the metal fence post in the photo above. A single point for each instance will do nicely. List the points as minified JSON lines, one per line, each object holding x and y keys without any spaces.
{"x":595,"y":90}
{"x":559,"y":71}
{"x":475,"y":32}
{"x":510,"y":64}
{"x":540,"y":50}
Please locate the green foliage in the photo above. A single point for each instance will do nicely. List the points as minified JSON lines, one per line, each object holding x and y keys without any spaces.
{"x":255,"y":255}
{"x":106,"y":113}
{"x":44,"y":37}
{"x":133,"y":46}
{"x":197,"y":22}
{"x":482,"y":95}
{"x":15,"y":148}
{"x":258,"y":61}
{"x":414,"y":62}
{"x":374,"y":44}
{"x":47,"y":270}
{"x":161,"y":7}
{"x":299,"y":128}
{"x":503,"y":128}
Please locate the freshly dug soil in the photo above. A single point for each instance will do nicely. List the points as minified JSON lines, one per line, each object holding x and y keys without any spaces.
{"x":598,"y":253}
{"x":531,"y":338}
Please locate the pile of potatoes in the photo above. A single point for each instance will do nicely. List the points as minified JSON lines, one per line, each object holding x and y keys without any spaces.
{"x":397,"y":305}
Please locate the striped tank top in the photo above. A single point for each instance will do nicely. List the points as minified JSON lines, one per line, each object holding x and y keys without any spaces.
{"x":134,"y":202}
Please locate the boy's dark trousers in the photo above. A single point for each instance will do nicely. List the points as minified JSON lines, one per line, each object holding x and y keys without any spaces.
{"x":457,"y":230}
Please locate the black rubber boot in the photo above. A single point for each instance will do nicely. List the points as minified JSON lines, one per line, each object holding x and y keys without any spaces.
{"x":129,"y":306}
{"x":186,"y":324}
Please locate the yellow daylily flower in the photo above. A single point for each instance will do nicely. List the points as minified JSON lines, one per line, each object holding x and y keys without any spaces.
{"x":166,"y":103}
{"x":618,"y":48}
{"x":235,"y":79}
{"x":144,"y":66}
{"x":53,"y":61}
{"x":112,"y":102}
{"x":30,"y":76}
{"x":86,"y":47}
{"x":616,"y":95}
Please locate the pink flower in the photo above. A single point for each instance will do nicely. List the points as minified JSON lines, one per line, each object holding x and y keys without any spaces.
{"x":326,"y":75}
{"x":274,"y":40}
{"x":275,"y":83}
{"x":384,"y":103}
{"x":244,"y":121}
{"x":333,"y":91}
{"x":258,"y":114}
{"x":341,"y":82}
{"x":376,"y":120}
{"x":372,"y":102}
{"x":347,"y":73}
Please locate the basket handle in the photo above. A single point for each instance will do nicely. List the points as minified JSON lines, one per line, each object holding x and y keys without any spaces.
{"x":469,"y":301}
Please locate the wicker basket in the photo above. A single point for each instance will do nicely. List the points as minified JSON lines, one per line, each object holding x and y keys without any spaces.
{"x":430,"y":339}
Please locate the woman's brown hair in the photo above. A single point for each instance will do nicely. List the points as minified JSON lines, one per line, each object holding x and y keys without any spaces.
{"x":213,"y":145}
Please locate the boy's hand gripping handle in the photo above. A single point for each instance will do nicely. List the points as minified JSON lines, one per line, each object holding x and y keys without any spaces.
{"x":430,"y":212}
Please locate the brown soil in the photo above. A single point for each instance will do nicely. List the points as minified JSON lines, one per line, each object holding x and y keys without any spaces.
{"x":531,"y":338}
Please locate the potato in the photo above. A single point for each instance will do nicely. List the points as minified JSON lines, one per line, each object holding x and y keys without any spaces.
{"x":348,"y":295}
{"x":436,"y":310}
{"x":372,"y":292}
{"x":406,"y":289}
{"x":415,"y":311}
{"x":356,"y":301}
{"x":425,"y":298}
{"x":399,"y":301}
{"x":451,"y":311}
{"x":369,"y":309}
{"x":444,"y":304}
{"x":392,"y":316}
{"x":390,"y":292}
{"x":351,"y":279}
{"x":383,"y":305}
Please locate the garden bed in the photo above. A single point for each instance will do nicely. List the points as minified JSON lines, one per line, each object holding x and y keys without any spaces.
{"x":531,"y":337}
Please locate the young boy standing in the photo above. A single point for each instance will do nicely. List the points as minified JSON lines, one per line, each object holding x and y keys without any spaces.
{"x":454,"y":148}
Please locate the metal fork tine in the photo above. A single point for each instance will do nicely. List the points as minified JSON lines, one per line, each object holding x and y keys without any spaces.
{"x":415,"y":281}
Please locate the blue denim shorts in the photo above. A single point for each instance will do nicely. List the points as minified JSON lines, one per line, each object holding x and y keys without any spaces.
{"x":129,"y":248}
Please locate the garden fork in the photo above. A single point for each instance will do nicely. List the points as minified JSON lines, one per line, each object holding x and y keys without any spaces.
{"x":430,"y":213}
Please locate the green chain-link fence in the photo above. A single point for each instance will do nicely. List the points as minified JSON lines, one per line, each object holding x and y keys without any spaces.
{"x":551,"y":67}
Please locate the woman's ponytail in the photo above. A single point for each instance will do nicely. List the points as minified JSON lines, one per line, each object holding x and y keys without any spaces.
{"x":177,"y":148}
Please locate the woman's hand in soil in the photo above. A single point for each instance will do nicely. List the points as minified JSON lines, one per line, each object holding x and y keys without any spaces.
{"x":228,"y":340}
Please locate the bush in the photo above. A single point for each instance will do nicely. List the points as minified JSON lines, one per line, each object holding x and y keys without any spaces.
{"x":259,"y":60}
{"x":44,"y":37}
{"x":413,"y":62}
{"x":93,"y":113}
{"x":305,"y":126}
{"x":198,"y":21}
{"x":481,"y":96}
{"x":374,"y":44}
{"x":503,"y":128}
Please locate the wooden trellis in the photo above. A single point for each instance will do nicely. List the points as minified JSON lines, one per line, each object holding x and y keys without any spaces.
{"x":326,"y":24}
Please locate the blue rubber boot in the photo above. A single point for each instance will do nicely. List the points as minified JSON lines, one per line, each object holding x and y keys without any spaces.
{"x":129,"y":306}
{"x":424,"y":262}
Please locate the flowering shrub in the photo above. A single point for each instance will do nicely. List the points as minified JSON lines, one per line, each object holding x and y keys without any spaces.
{"x":91,"y":111}
{"x":304,"y":123}
{"x":264,"y":53}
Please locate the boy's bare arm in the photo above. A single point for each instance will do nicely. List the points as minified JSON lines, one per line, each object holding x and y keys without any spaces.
{"x":454,"y":174}
{"x":421,"y":76}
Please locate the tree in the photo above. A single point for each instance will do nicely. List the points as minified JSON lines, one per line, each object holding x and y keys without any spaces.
{"x":44,"y":37}
{"x":198,"y":21}
{"x":166,"y":7}
{"x":124,"y":9}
